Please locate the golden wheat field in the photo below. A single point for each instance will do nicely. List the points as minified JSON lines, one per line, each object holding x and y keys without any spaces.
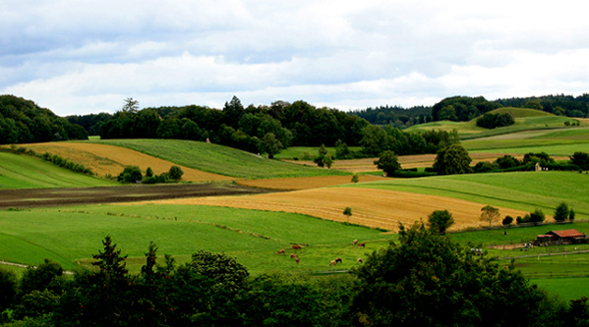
{"x":304,"y":183}
{"x":111,"y":160}
{"x":370,"y":207}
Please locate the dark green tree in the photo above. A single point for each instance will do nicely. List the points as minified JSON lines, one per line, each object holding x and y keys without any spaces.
{"x":175,"y":173}
{"x":428,"y":280}
{"x":571,"y":215}
{"x":580,"y":159}
{"x":537,"y":216}
{"x":271,"y":145}
{"x":374,"y":140}
{"x":348,"y":212}
{"x":507,"y":220}
{"x":388,"y":162}
{"x":452,"y":160}
{"x":130,"y":174}
{"x":562,"y":212}
{"x":149,"y":172}
{"x":8,"y":287}
{"x":223,"y":269}
{"x":439,"y":221}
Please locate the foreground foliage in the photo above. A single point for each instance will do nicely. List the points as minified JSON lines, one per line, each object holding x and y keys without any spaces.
{"x":426,"y":280}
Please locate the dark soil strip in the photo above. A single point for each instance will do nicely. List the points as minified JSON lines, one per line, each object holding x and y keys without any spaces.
{"x":31,"y":198}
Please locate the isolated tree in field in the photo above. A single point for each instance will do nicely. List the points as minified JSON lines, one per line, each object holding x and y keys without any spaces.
{"x":355,"y":179}
{"x":388,"y":162}
{"x":439,"y":221}
{"x":571,"y":215}
{"x":348,"y":212}
{"x":322,"y":157}
{"x":452,"y":160}
{"x":175,"y":173}
{"x":562,"y":212}
{"x":490,"y":214}
{"x":271,"y":145}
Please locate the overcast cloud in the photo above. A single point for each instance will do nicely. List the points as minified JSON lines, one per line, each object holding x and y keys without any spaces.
{"x":78,"y":57}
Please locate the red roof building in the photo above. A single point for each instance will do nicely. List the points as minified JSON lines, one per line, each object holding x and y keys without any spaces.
{"x":564,"y":236}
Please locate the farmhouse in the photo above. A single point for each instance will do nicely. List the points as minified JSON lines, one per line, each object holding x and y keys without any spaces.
{"x":568,"y":236}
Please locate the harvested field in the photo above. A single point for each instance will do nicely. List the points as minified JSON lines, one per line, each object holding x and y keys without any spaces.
{"x":370,"y":207}
{"x":410,"y":161}
{"x":111,"y":160}
{"x":31,"y":198}
{"x":304,"y":183}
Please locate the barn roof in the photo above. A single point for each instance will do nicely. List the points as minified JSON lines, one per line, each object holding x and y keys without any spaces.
{"x":567,"y":233}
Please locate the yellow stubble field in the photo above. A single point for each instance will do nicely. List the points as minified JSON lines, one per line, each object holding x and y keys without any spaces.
{"x":111,"y":160}
{"x":370,"y":207}
{"x":304,"y":183}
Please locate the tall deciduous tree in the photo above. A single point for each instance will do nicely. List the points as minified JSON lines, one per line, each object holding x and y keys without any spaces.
{"x":490,"y":214}
{"x":562,"y":212}
{"x":388,"y":162}
{"x":271,"y":145}
{"x":452,"y":160}
{"x":439,"y":221}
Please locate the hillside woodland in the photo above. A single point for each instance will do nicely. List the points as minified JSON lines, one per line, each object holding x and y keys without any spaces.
{"x":22,"y":121}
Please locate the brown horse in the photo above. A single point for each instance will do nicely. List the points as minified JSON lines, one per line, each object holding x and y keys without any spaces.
{"x":359,"y":260}
{"x":296,"y":247}
{"x":294,"y":256}
{"x":338,"y":260}
{"x":281,"y":252}
{"x":362,"y":245}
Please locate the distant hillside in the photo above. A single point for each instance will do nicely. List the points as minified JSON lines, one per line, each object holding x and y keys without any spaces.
{"x":22,"y":121}
{"x":559,"y":104}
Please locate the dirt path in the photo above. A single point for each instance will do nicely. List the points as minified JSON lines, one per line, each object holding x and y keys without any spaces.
{"x":30,"y":198}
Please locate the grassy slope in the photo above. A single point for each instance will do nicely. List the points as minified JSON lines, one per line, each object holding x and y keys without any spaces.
{"x":73,"y":233}
{"x":525,"y":119}
{"x":554,"y":142}
{"x":519,"y":190}
{"x":19,"y":171}
{"x":219,"y":159}
{"x":300,"y":152}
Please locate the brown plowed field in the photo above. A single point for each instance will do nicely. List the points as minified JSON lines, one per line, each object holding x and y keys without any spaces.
{"x":29,"y":198}
{"x":370,"y":207}
{"x":304,"y":183}
{"x":411,"y":161}
{"x":110,"y":160}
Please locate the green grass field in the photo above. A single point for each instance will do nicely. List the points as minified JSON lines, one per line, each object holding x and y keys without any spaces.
{"x":20,"y":171}
{"x":219,"y":159}
{"x":310,"y":152}
{"x":73,"y":234}
{"x":525,"y":120}
{"x":517,"y":190}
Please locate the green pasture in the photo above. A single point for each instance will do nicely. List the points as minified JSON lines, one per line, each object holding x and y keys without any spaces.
{"x":567,"y":288}
{"x":517,"y":190}
{"x":71,"y":235}
{"x":525,"y":120}
{"x":20,"y":171}
{"x":219,"y":159}
{"x":309,"y":152}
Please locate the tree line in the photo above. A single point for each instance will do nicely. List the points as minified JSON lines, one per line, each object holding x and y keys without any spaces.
{"x":22,"y":121}
{"x":425,"y":279}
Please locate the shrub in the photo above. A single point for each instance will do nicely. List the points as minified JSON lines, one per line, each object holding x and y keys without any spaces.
{"x":562,"y":212}
{"x":175,"y":173}
{"x":130,"y":174}
{"x":507,"y":220}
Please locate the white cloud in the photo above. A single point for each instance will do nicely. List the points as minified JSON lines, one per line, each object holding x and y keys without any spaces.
{"x":86,"y":56}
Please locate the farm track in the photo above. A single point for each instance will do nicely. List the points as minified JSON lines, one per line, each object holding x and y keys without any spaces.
{"x":32,"y":198}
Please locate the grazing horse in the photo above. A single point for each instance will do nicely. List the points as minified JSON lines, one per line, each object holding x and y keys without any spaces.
{"x":297,"y":260}
{"x":281,"y":252}
{"x":338,"y":260}
{"x":294,"y":256}
{"x":296,"y":247}
{"x":359,"y":260}
{"x":354,"y":242}
{"x":362,"y":245}
{"x":332,"y":263}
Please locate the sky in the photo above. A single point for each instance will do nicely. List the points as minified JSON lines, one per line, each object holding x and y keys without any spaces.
{"x":81,"y":57}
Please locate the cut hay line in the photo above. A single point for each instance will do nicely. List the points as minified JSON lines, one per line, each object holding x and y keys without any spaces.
{"x":370,"y":207}
{"x":304,"y":183}
{"x":111,"y":160}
